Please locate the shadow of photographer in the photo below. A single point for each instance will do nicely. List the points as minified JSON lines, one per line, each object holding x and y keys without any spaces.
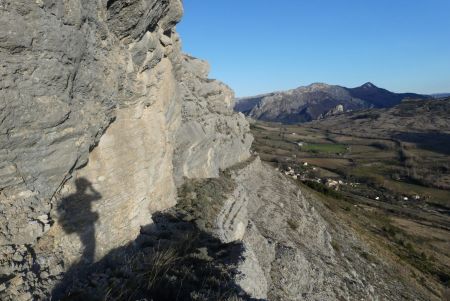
{"x":76,"y":216}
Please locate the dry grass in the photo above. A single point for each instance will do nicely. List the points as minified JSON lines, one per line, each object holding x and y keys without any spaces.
{"x":148,"y":269}
{"x":202,"y":199}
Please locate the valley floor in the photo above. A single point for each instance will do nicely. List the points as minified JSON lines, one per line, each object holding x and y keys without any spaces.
{"x":393,"y":193}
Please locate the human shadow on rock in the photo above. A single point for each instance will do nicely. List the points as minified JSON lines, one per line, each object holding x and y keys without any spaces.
{"x":75,"y":215}
{"x":172,"y":259}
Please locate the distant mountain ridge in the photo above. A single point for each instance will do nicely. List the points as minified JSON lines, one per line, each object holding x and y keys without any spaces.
{"x":440,"y":95}
{"x":317,"y":101}
{"x":382,"y":98}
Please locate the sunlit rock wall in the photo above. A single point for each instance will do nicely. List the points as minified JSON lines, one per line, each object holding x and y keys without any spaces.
{"x":101,"y":116}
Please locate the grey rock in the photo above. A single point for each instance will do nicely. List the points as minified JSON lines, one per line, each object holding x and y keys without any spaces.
{"x":334,"y":111}
{"x":211,"y":137}
{"x":99,"y":90}
{"x":131,"y":19}
{"x":17,"y":257}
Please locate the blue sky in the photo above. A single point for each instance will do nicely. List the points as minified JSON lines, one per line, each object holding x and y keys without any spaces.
{"x":258,"y":46}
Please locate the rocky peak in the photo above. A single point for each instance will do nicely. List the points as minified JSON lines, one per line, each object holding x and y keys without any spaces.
{"x":369,"y":85}
{"x":316,"y":87}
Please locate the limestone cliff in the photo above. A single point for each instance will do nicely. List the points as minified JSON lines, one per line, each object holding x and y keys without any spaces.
{"x":101,"y":115}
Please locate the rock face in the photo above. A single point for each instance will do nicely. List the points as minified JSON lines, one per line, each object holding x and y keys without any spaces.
{"x":316,"y":101}
{"x":212,"y":137}
{"x":101,"y":115}
{"x":334,"y":111}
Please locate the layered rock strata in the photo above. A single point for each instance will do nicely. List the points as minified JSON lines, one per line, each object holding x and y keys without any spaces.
{"x":101,"y":115}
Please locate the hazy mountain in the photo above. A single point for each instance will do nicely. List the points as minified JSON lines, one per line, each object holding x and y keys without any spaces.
{"x":318,"y":100}
{"x":440,"y":95}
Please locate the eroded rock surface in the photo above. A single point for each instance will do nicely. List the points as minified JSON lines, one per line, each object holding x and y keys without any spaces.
{"x":207,"y":111}
{"x":101,"y":115}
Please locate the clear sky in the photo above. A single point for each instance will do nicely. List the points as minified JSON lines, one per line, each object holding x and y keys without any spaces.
{"x":258,"y":46}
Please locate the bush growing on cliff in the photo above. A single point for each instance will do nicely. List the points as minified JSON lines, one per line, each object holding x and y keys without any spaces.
{"x":202,"y":199}
{"x":293,"y":224}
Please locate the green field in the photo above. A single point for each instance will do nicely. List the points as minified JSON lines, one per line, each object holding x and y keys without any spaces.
{"x":324,"y":148}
